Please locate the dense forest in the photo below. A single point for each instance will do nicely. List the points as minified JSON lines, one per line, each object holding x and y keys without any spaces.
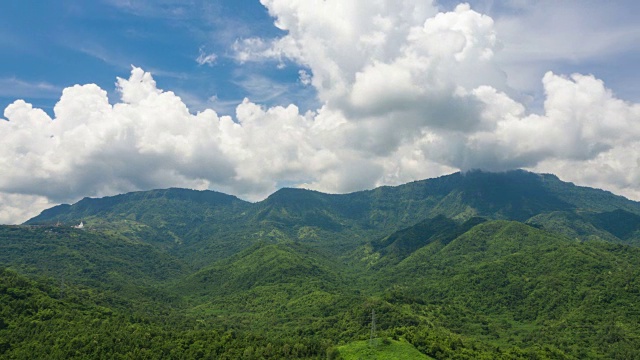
{"x":479,"y":265}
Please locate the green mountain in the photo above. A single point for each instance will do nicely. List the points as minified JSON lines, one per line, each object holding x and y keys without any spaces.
{"x":265,"y":264}
{"x":166,"y":218}
{"x":94,"y":258}
{"x":514,"y":284}
{"x":470,"y":265}
{"x":614,"y":226}
{"x":179,"y":218}
{"x":274,"y":287}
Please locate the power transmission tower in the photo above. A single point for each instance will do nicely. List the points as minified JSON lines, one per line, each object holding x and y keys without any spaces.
{"x":373,"y":327}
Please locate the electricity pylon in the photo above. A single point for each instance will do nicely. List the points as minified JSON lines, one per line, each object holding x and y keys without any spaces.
{"x":373,"y":327}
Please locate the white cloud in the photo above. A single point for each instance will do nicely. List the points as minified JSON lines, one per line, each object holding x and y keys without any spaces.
{"x":206,"y":59}
{"x":416,"y":78}
{"x":94,"y":148}
{"x":17,"y":208}
{"x":406,"y":92}
{"x":255,"y":49}
{"x":150,"y":140}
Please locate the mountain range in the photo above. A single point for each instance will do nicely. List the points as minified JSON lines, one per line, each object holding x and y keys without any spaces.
{"x":468,"y":265}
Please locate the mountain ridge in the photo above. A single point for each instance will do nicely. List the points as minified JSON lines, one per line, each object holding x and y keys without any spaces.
{"x":475,"y":183}
{"x":184,"y":216}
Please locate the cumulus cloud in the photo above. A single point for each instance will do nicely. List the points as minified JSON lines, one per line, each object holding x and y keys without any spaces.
{"x":18,"y":207}
{"x":406,"y":92}
{"x":150,"y":140}
{"x":94,"y":148}
{"x":582,"y":119}
{"x":418,"y":78}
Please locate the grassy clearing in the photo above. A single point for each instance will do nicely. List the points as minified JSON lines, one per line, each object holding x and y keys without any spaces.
{"x":380,"y":349}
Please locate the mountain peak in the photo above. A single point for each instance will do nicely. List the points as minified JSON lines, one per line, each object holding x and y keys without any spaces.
{"x":133,"y":202}
{"x":294,"y":194}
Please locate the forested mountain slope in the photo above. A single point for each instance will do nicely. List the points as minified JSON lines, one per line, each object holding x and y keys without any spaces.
{"x":467,"y":266}
{"x":188,"y":220}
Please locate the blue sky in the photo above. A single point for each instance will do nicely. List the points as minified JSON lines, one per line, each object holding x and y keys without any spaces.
{"x":53,"y":45}
{"x":246,"y":96}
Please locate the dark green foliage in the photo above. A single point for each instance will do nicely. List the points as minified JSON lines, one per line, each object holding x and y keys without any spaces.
{"x":39,"y":324}
{"x":612,"y":226}
{"x":515,"y":195}
{"x":173,"y":219}
{"x":138,"y":204}
{"x":297,"y":207}
{"x":508,"y":281}
{"x":439,"y":229}
{"x":93,"y":258}
{"x":197,"y":274}
{"x":571,"y":224}
{"x":620,"y":223}
{"x":265,"y":264}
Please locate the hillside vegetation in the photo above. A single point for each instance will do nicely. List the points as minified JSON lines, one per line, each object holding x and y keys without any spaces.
{"x":466,"y":266}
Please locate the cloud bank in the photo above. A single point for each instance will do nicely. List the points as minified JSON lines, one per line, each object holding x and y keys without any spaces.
{"x":407,"y":92}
